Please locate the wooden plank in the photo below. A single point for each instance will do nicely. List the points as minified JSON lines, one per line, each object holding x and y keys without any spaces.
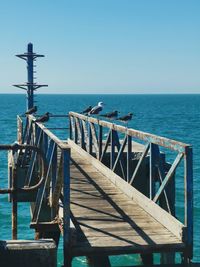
{"x":123,"y":248}
{"x":140,"y":238}
{"x":148,"y":205}
{"x":92,"y":232}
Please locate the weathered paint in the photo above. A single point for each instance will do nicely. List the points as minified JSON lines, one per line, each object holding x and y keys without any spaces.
{"x":151,"y":138}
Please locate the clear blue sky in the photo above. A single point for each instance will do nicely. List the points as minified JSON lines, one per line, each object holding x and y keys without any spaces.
{"x":103,"y":46}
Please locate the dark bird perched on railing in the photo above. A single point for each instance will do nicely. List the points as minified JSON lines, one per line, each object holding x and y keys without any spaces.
{"x":95,"y":110}
{"x":43,"y":118}
{"x":31,"y":110}
{"x":111,"y":115}
{"x":126,"y":118}
{"x":87,"y":110}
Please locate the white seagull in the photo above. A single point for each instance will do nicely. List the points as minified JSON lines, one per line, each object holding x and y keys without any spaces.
{"x":95,"y":110}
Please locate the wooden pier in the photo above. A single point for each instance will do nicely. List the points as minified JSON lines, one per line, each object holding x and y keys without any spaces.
{"x":108,"y":189}
{"x":108,"y":220}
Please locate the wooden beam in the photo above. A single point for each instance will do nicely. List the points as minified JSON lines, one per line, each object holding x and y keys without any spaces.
{"x":151,"y":138}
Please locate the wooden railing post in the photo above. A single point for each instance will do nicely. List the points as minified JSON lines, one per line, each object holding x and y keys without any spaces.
{"x":19,"y":130}
{"x":54,"y":168}
{"x":189,"y":200}
{"x":100,"y":141}
{"x":152,"y":171}
{"x":66,"y":205}
{"x":112,"y":149}
{"x":129,"y":150}
{"x":89,"y":139}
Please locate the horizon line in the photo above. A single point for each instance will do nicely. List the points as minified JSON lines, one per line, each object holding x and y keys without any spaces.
{"x":176,"y":93}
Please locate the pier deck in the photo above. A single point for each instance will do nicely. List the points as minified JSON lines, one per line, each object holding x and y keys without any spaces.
{"x":107,"y":221}
{"x":118,"y":193}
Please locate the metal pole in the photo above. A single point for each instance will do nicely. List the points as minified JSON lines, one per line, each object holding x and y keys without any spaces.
{"x":30,"y":86}
{"x":30,"y":76}
{"x":66,"y":207}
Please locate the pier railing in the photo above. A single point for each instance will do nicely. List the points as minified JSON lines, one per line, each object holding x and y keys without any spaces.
{"x":113,"y":144}
{"x":57,"y":178}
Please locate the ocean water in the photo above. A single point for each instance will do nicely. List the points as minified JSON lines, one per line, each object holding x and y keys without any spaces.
{"x":173,"y":116}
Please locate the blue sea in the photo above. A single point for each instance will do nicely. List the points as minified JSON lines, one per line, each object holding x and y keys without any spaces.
{"x":173,"y":116}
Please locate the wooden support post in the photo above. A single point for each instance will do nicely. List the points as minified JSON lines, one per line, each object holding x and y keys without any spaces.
{"x":82,"y":136}
{"x":89,"y":139}
{"x":98,"y":261}
{"x":75,"y":132}
{"x":167,"y":202}
{"x":152,"y":171}
{"x":66,"y":206}
{"x":112,"y":149}
{"x":24,"y":136}
{"x":70,"y":128}
{"x":129,"y":150}
{"x":188,"y":180}
{"x":100,"y":141}
{"x":147,"y":259}
{"x":19,"y":130}
{"x":53,"y":179}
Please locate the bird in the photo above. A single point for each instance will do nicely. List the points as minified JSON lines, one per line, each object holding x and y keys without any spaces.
{"x":126,"y":118}
{"x":87,"y":110}
{"x":111,"y":115}
{"x":31,"y":110}
{"x":43,"y":118}
{"x":95,"y":110}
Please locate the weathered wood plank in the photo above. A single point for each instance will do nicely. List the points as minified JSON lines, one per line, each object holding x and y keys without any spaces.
{"x":148,"y":205}
{"x":107,"y":219}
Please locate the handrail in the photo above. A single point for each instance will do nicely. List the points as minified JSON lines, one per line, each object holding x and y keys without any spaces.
{"x":57,"y":178}
{"x":158,"y":140}
{"x":52,"y":136}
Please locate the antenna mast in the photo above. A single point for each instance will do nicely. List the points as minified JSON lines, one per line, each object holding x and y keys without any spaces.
{"x":30,"y":86}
